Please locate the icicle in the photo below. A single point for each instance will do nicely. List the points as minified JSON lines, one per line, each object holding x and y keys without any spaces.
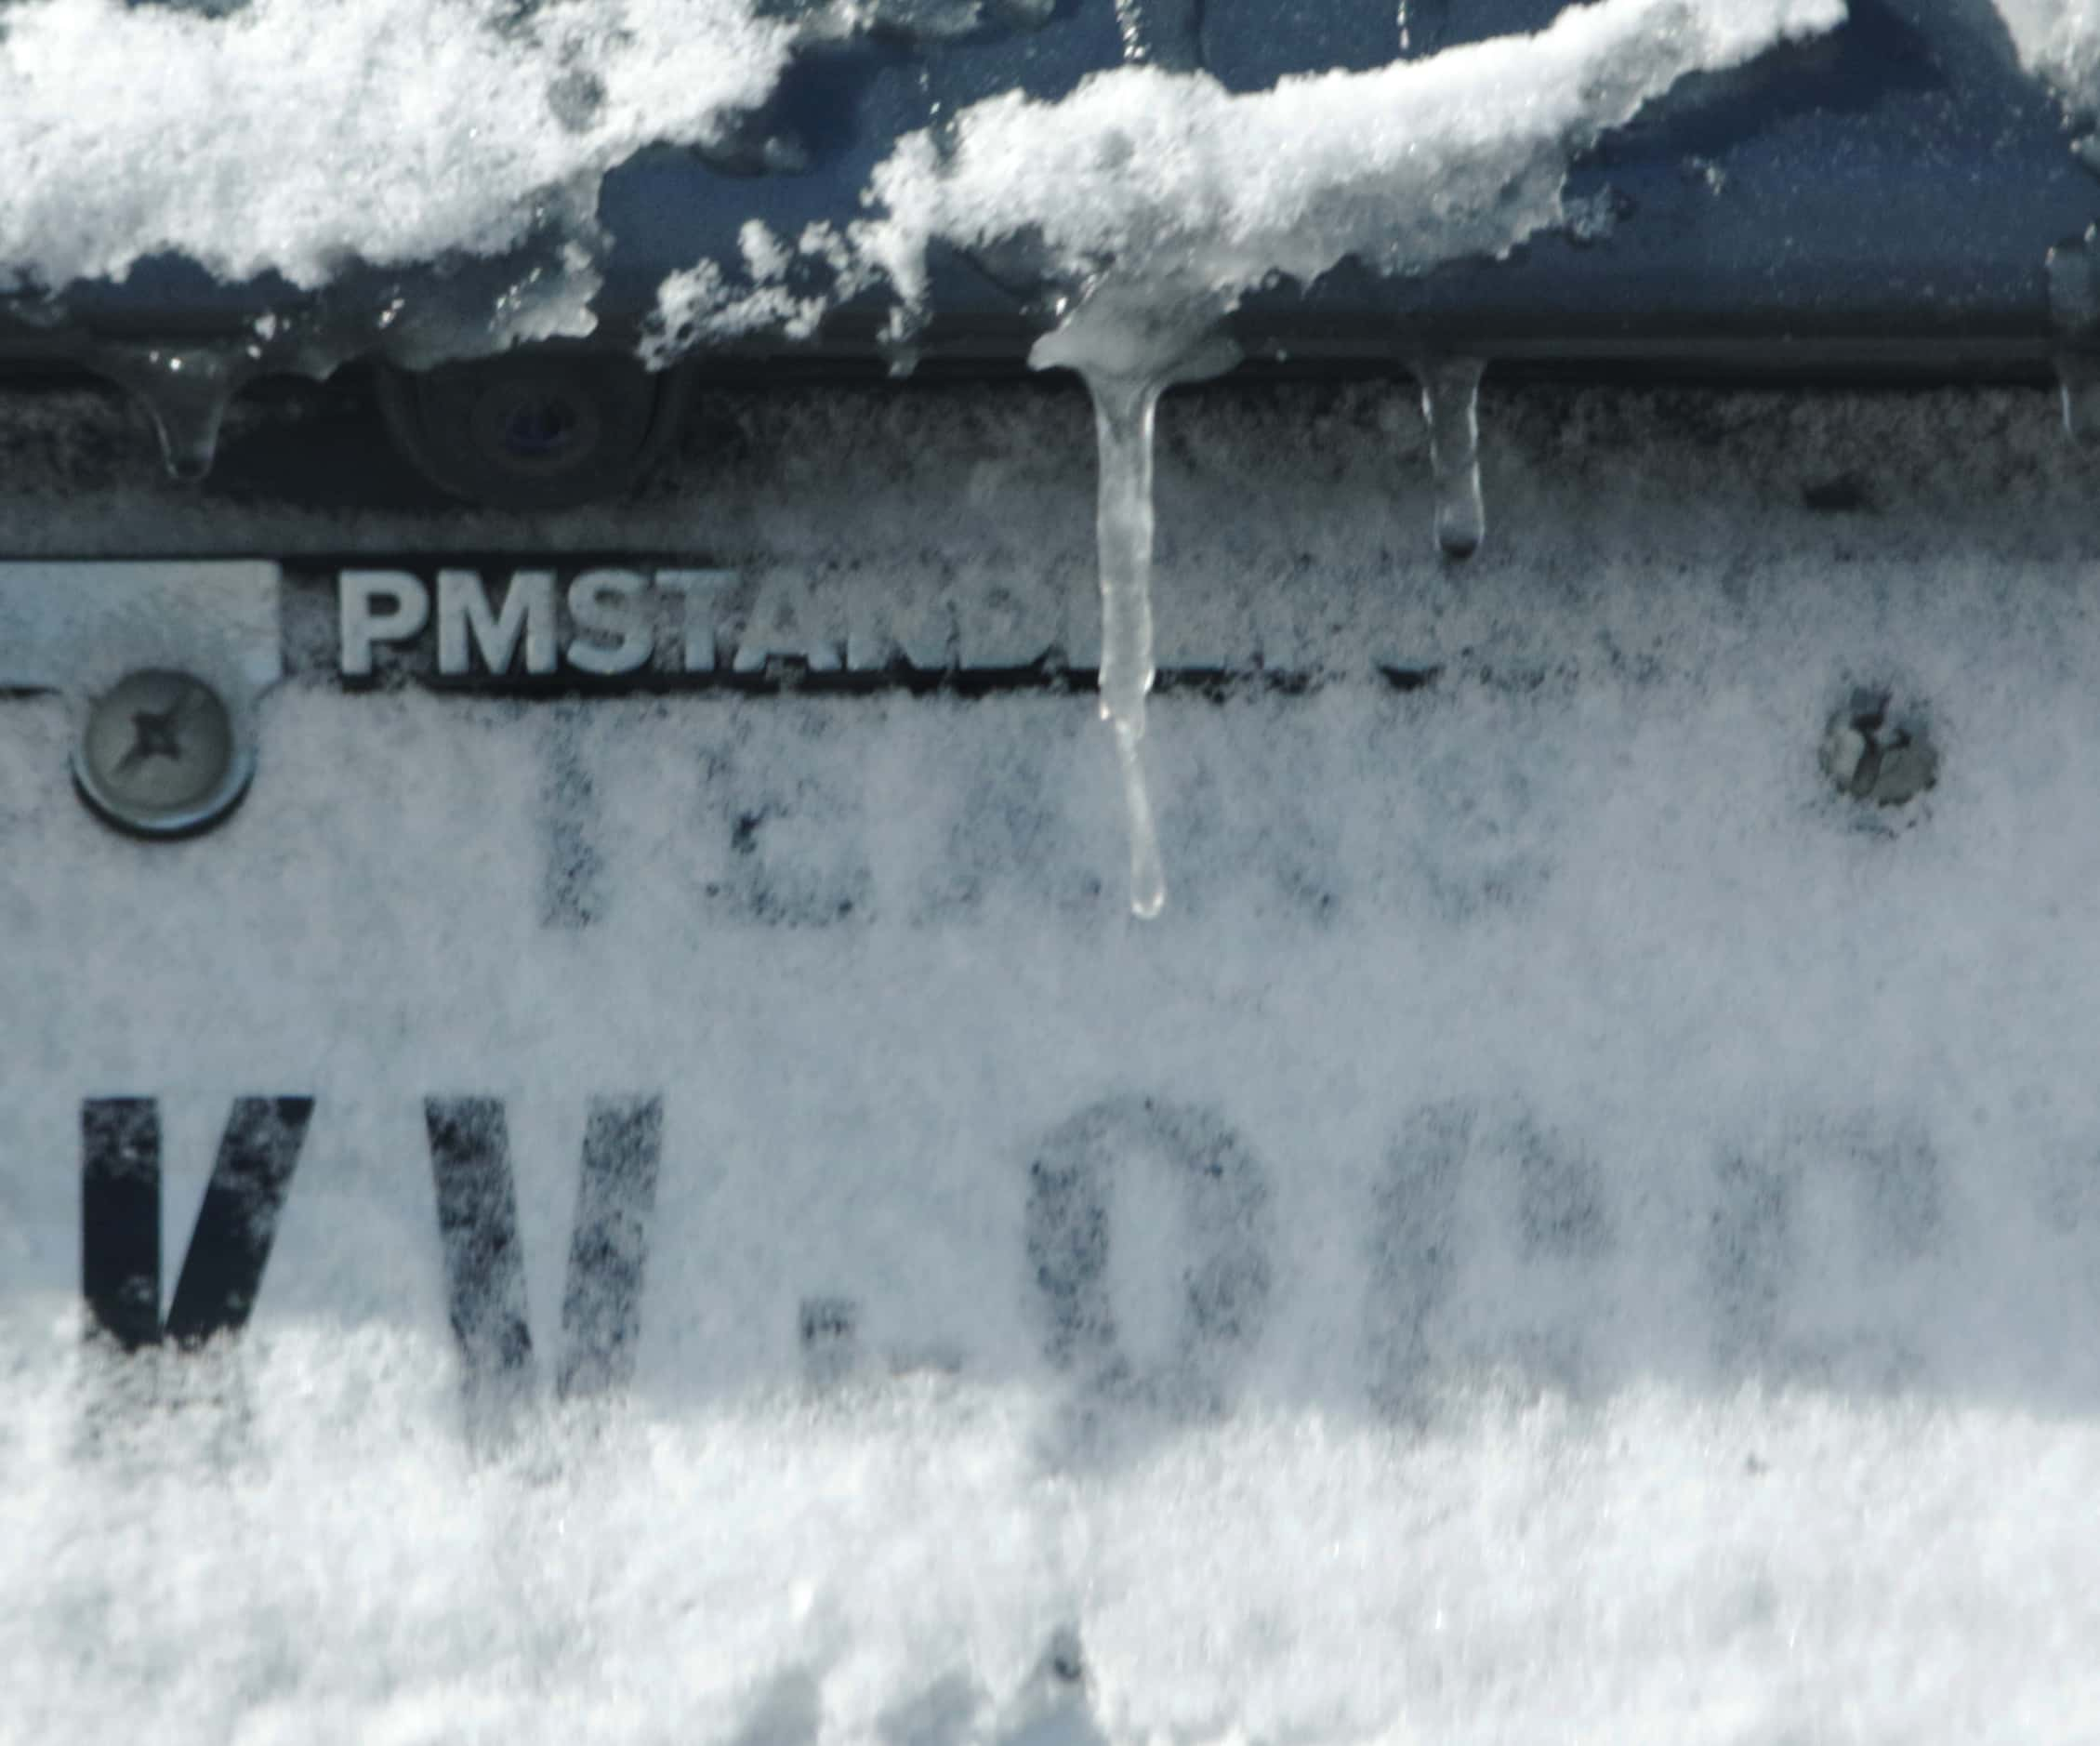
{"x":187,"y":390}
{"x":2077,"y":379}
{"x":1451,"y":404}
{"x":2074,"y":308}
{"x":1128,"y":354}
{"x":1148,"y":870}
{"x":1124,"y":413}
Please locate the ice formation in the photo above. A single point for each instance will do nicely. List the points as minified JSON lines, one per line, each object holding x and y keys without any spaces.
{"x":293,"y":139}
{"x":1126,"y":380}
{"x":186,"y":388}
{"x":1160,"y":199}
{"x":1451,"y":408}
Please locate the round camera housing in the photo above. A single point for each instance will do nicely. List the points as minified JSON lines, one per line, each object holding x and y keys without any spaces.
{"x":531,"y":429}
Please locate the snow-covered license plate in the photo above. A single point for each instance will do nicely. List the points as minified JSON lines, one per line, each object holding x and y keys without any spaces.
{"x":736,"y":1232}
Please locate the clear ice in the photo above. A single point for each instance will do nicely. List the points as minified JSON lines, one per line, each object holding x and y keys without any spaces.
{"x":1128,"y":355}
{"x":2078,"y":380}
{"x":1451,"y":406}
{"x":1124,"y":412}
{"x":2074,"y":307}
{"x":1162,"y":32}
{"x":186,"y":390}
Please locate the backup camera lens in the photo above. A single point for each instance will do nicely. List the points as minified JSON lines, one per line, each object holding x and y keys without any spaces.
{"x":541,"y":428}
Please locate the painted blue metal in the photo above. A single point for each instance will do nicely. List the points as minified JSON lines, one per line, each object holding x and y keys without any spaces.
{"x":1889,"y":194}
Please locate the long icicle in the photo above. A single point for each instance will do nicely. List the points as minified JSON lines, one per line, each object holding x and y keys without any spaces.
{"x":1124,"y":410}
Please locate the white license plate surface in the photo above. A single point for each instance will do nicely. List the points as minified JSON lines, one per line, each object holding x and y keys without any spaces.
{"x":1566,"y":1224}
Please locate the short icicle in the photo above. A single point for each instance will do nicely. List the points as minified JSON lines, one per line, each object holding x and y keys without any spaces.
{"x":186,"y":390}
{"x":2074,"y":310}
{"x":1451,"y":406}
{"x":2077,"y":382}
{"x":1124,"y":413}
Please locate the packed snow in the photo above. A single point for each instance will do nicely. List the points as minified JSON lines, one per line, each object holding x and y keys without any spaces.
{"x":1602,"y":1230}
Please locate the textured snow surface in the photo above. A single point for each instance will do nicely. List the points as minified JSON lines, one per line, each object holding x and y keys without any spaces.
{"x":1169,"y":180}
{"x":1676,"y":1194}
{"x":275,"y":137}
{"x":1183,"y":195}
{"x":707,"y":302}
{"x":2059,"y":41}
{"x":297,"y":138}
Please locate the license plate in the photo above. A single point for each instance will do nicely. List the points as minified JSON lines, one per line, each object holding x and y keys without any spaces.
{"x":643,"y":1177}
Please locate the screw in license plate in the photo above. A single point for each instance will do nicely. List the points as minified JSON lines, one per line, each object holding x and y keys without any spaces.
{"x":160,"y":755}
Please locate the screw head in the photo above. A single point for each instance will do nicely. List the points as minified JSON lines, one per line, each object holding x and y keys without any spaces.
{"x":160,"y":755}
{"x":1876,"y":756}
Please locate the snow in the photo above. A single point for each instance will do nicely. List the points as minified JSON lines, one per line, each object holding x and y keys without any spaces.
{"x":1157,"y":198}
{"x":1183,"y":195}
{"x":704,"y":300}
{"x":1676,"y":1185}
{"x":289,"y":139}
{"x":1170,"y":181}
{"x":271,"y":138}
{"x":2058,"y":41}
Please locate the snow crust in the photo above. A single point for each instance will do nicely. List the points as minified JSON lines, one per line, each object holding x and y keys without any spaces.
{"x":295,"y":138}
{"x":1680,"y":1190}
